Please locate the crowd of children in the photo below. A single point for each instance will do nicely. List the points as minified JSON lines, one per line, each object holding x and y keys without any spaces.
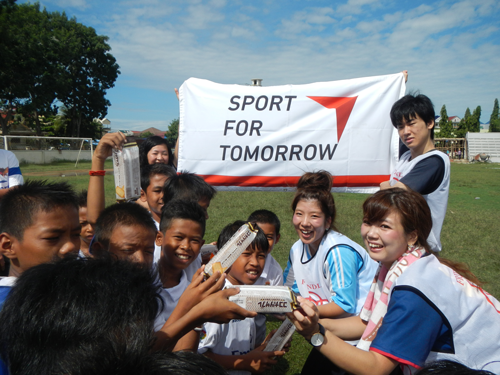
{"x":134,"y":289}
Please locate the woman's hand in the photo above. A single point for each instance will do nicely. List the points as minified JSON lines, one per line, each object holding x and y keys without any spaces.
{"x":306,"y":318}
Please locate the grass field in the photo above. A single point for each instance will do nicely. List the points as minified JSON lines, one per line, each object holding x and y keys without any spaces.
{"x":469,"y":231}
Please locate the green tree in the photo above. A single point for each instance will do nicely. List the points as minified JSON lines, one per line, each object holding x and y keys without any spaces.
{"x":464,"y":124}
{"x":173,"y":132}
{"x":475,"y":124}
{"x":494,"y":118}
{"x":146,"y":134}
{"x":49,"y":57}
{"x":445,"y":126}
{"x":87,"y":71}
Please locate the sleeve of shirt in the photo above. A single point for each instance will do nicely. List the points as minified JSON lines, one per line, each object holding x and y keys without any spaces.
{"x":289,"y":277}
{"x":209,"y":337}
{"x":15,"y":176}
{"x":426,"y":175}
{"x":276,"y":273}
{"x":410,"y":328}
{"x":341,"y":268}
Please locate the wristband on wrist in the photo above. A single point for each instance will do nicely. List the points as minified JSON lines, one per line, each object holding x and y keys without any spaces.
{"x":97,"y":173}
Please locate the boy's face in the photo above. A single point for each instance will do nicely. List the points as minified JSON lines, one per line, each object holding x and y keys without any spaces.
{"x":415,"y":133}
{"x":87,"y":232}
{"x":154,"y":195}
{"x":135,"y":243}
{"x":180,"y":244}
{"x":247,"y":267}
{"x":55,"y":233}
{"x":270,"y":232}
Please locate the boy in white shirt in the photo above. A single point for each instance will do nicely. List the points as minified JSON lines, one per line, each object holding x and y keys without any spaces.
{"x":233,"y":345}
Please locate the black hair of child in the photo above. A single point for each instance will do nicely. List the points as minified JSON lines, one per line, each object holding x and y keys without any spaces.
{"x":266,"y":217}
{"x":409,"y":105}
{"x":186,"y":185}
{"x":82,"y":198}
{"x":151,"y":170}
{"x":123,"y":214}
{"x":148,"y":144}
{"x":21,"y":203}
{"x":80,"y":316}
{"x":260,"y":241}
{"x":182,"y":209}
{"x":184,"y":363}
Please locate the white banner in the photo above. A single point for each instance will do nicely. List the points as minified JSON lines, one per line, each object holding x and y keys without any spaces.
{"x":267,"y":137}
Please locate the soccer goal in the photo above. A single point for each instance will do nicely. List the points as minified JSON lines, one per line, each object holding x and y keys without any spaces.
{"x":44,"y":150}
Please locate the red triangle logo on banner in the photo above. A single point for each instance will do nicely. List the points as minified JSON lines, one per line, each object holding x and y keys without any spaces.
{"x":342,"y":104}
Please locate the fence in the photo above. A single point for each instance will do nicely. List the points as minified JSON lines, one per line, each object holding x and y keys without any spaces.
{"x":44,"y":150}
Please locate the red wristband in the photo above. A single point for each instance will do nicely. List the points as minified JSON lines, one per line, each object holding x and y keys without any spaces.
{"x":97,"y":173}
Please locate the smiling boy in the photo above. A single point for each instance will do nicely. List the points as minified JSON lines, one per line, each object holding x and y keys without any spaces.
{"x":233,"y":345}
{"x":180,"y":238}
{"x":423,"y":168}
{"x":188,"y":186}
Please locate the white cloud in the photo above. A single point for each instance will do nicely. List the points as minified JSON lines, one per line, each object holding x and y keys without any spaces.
{"x":355,"y":6}
{"x":79,"y":4}
{"x":444,"y":45}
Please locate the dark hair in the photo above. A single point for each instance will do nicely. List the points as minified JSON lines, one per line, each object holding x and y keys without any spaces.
{"x":82,"y":199}
{"x":408,"y":106}
{"x":260,"y":241}
{"x":266,"y":217}
{"x":122,"y":214}
{"x":186,"y":185}
{"x":415,"y":216}
{"x":21,"y":203}
{"x":447,"y":367}
{"x":317,"y":186}
{"x":184,"y":363}
{"x":79,"y":316}
{"x":182,"y":209}
{"x":148,"y":144}
{"x":151,"y":170}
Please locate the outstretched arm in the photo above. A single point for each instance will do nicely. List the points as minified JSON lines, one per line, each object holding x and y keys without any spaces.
{"x":344,"y":355}
{"x":256,"y":361}
{"x":95,"y":195}
{"x":201,"y":302}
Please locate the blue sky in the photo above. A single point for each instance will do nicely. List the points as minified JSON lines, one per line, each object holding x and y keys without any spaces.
{"x":451,"y":48}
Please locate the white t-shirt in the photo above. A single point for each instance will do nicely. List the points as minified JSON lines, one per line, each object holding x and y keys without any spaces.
{"x":10,"y":173}
{"x":170,"y":297}
{"x":272,"y":273}
{"x":234,"y":338}
{"x":437,"y":199}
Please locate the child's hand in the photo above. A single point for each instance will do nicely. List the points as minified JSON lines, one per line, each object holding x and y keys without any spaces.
{"x":198,"y":289}
{"x":258,"y":361}
{"x":218,"y":309}
{"x":107,"y":143}
{"x":286,"y":347}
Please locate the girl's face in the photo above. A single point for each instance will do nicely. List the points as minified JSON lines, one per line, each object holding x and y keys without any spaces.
{"x":311,"y":223}
{"x":386,"y":240}
{"x":158,"y":154}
